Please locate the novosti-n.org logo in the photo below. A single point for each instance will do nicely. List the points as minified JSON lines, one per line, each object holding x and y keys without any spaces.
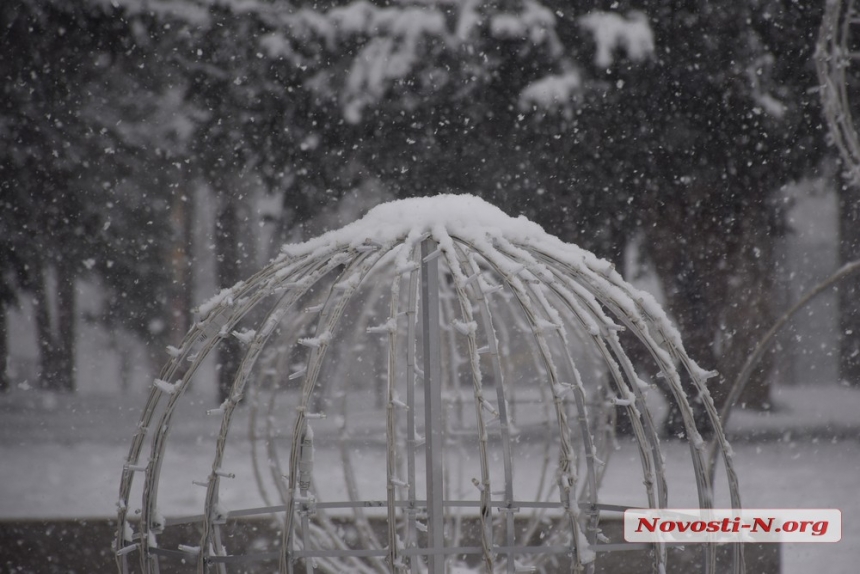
{"x":692,"y":525}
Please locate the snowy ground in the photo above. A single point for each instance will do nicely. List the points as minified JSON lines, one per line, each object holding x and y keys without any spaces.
{"x":61,"y":458}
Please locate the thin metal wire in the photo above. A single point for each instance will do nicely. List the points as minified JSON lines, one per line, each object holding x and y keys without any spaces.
{"x":501,"y":399}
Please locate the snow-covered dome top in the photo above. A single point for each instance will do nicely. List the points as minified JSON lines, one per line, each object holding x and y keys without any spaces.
{"x":465,"y":216}
{"x":439,"y":376}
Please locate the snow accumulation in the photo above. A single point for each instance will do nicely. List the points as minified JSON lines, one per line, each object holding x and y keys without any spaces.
{"x":190,"y":12}
{"x":479,"y":223}
{"x":441,"y":216}
{"x":391,"y":55}
{"x":551,"y":91}
{"x":484,"y":226}
{"x":535,"y":22}
{"x":612,"y":31}
{"x":391,"y":42}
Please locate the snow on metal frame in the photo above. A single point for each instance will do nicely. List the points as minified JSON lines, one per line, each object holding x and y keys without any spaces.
{"x":833,"y":59}
{"x":502,"y":284}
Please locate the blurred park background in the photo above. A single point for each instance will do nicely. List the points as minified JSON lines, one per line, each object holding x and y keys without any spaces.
{"x":154,"y":151}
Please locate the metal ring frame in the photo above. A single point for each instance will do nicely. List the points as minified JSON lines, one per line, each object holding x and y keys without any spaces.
{"x":833,"y":58}
{"x":480,"y":335}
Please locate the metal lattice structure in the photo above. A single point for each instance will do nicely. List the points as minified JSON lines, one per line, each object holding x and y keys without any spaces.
{"x":837,"y":53}
{"x":431,"y":388}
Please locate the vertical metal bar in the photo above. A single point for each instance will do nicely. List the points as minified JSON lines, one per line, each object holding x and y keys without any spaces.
{"x":411,"y":441}
{"x":306,"y":457}
{"x":287,"y":558}
{"x":306,"y":538}
{"x":394,"y":544}
{"x":484,"y":485}
{"x":456,"y":400}
{"x":433,"y":422}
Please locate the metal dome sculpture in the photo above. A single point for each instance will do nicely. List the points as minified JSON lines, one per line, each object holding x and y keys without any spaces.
{"x":432,"y":389}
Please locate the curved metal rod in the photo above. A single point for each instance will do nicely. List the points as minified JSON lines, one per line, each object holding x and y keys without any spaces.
{"x":501,"y":397}
{"x":273,"y":464}
{"x":599,"y":278}
{"x":743,"y":377}
{"x":454,"y":396}
{"x":831,"y":60}
{"x":329,"y":317}
{"x":449,"y":252}
{"x":311,"y":275}
{"x":367,"y":536}
{"x":178,"y":357}
{"x":241,"y":298}
{"x":394,"y":545}
{"x":508,"y":268}
{"x":519,"y":323}
{"x":643,"y":428}
{"x":578,"y":390}
{"x":699,"y":377}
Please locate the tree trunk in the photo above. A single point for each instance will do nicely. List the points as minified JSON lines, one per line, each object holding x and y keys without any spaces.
{"x":688,"y":282}
{"x":44,"y":332}
{"x":718,"y":282}
{"x":190,"y":214}
{"x":66,"y":309}
{"x":849,"y":289}
{"x":748,"y":313}
{"x":228,"y":274}
{"x":692,"y":283}
{"x":56,"y":337}
{"x":182,"y":222}
{"x":4,"y":349}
